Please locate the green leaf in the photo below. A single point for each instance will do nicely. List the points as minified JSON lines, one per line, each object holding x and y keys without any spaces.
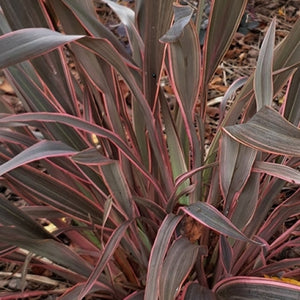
{"x":268,"y":131}
{"x":177,"y":265}
{"x":263,"y":80}
{"x":256,"y":288}
{"x":27,"y":43}
{"x":209,"y":216}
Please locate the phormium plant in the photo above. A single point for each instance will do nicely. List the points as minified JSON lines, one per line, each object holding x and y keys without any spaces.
{"x":140,"y":209}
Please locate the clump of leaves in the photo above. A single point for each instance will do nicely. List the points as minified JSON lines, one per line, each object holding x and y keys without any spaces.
{"x":145,"y":211}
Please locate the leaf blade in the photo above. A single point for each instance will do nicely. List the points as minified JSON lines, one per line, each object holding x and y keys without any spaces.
{"x":27,"y":43}
{"x":38,"y":151}
{"x":212,"y":218}
{"x":268,"y":131}
{"x":256,"y":288}
{"x":263,"y":80}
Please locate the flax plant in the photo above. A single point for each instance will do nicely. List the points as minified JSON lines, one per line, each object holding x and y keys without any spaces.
{"x":139,"y":209}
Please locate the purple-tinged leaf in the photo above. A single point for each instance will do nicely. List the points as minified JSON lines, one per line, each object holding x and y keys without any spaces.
{"x":43,"y":211}
{"x":91,"y":156}
{"x":278,"y":170}
{"x":263,"y":85}
{"x":229,"y":93}
{"x":158,"y":252}
{"x":292,"y":102}
{"x":139,"y":295}
{"x":282,"y":212}
{"x":184,"y":68}
{"x":276,"y":267}
{"x":16,"y":138}
{"x":85,"y":126}
{"x":223,"y":22}
{"x":40,"y":150}
{"x":286,"y":54}
{"x":44,"y":188}
{"x":71,"y":11}
{"x":153,"y":20}
{"x":156,"y":209}
{"x":10,"y":215}
{"x":53,"y":250}
{"x":255,"y":288}
{"x":226,"y":254}
{"x":51,"y":67}
{"x":180,"y":260}
{"x":194,"y":291}
{"x":108,"y":251}
{"x":28,"y":43}
{"x":182,"y":16}
{"x":247,"y":202}
{"x":209,"y":216}
{"x":127,"y":17}
{"x":73,"y":292}
{"x":236,"y":161}
{"x":184,"y":60}
{"x":176,"y":153}
{"x":118,"y":187}
{"x":105,"y":50}
{"x":268,"y":131}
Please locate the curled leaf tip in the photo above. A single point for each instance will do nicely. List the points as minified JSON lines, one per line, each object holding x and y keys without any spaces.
{"x":182,"y":16}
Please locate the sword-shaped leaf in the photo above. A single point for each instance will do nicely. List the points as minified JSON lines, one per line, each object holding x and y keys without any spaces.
{"x":268,"y":131}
